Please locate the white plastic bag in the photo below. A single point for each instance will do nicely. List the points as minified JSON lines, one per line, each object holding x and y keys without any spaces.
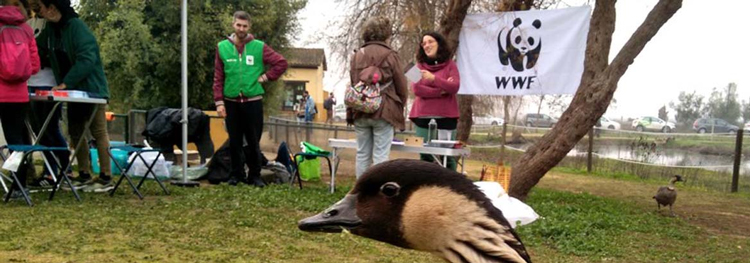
{"x":513,"y":209}
{"x":161,"y":169}
{"x":13,"y":161}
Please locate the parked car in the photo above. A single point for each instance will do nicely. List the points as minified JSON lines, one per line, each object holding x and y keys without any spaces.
{"x":747,"y":127}
{"x":339,"y":113}
{"x":713,"y":125}
{"x":649,"y":123}
{"x":539,"y":120}
{"x":488,"y":120}
{"x":609,"y":124}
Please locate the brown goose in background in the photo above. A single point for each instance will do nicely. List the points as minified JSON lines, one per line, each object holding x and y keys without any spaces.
{"x":666,"y":195}
{"x":419,"y":205}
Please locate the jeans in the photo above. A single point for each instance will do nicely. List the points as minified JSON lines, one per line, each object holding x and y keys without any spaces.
{"x":53,"y":136}
{"x":12,"y":116}
{"x":423,"y":132}
{"x":244,"y":120}
{"x":374,"y":138}
{"x":78,"y":115}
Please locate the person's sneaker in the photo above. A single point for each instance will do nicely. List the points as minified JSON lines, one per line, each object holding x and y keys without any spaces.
{"x":42,"y":182}
{"x":98,"y":185}
{"x":82,"y":179}
{"x":16,"y":195}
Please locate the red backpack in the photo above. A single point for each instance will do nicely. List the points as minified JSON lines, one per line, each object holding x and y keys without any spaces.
{"x":15,"y":56}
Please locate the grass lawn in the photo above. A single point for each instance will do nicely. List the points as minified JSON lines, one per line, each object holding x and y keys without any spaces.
{"x":585,"y":219}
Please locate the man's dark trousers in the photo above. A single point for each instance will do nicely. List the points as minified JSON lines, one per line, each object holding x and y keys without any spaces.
{"x":244,"y":119}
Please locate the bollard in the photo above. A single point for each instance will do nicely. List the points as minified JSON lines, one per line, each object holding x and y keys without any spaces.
{"x":737,"y":161}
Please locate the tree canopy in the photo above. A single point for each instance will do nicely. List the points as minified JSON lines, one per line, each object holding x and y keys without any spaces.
{"x":140,"y":46}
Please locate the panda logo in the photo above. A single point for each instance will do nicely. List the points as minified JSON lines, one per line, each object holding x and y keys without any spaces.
{"x":520,"y":46}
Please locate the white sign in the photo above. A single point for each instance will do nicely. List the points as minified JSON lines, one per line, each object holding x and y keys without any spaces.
{"x":523,"y":53}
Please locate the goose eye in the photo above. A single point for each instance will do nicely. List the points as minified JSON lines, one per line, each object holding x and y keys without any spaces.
{"x":390,"y":189}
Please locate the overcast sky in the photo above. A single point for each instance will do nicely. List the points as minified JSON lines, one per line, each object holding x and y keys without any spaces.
{"x":704,"y":45}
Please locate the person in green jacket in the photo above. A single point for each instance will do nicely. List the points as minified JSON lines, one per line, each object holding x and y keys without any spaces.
{"x":77,"y":65}
{"x":241,"y":64}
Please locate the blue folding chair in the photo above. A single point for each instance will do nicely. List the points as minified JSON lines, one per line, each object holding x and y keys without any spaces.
{"x":28,"y":150}
{"x":138,"y":150}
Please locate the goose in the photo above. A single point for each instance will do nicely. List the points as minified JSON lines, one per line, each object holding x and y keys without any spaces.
{"x":666,"y":195}
{"x":418,"y":205}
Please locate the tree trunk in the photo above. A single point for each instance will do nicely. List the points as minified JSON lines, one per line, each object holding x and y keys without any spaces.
{"x":598,"y":84}
{"x":450,"y":27}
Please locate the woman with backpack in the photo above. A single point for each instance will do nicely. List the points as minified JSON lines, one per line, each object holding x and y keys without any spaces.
{"x":377,"y":62}
{"x":435,"y":93}
{"x":18,"y":61}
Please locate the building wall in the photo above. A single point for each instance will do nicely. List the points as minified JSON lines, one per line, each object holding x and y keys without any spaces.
{"x":314,"y":79}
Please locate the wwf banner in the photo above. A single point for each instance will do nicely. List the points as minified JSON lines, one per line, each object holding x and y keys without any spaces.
{"x":523,"y":53}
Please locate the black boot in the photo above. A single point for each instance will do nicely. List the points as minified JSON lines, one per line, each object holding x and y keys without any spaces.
{"x":256,"y":181}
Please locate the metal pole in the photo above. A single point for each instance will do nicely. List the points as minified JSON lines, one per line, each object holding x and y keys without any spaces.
{"x":737,"y":161}
{"x":591,"y":150}
{"x":308,"y":129}
{"x":184,"y":120}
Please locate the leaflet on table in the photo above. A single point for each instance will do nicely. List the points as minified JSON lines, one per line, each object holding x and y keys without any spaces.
{"x":62,"y":93}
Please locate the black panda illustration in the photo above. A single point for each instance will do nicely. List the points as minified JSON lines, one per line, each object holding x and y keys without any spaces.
{"x":519,"y":44}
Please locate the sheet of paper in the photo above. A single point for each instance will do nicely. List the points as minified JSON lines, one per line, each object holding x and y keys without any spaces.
{"x":414,"y":74}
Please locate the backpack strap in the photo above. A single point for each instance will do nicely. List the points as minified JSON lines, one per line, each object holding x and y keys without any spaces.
{"x":14,"y":27}
{"x":378,"y":64}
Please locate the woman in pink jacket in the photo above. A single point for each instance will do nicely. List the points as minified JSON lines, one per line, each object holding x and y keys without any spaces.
{"x":16,"y":40}
{"x":435,"y":93}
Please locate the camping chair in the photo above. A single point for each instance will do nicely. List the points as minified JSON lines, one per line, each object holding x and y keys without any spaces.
{"x":312,"y":152}
{"x":138,"y":151}
{"x":28,"y":150}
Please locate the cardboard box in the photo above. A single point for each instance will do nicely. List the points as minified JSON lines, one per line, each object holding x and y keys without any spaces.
{"x":414,"y":141}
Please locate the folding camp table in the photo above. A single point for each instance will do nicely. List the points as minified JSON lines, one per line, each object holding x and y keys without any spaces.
{"x":58,"y":100}
{"x":337,"y":144}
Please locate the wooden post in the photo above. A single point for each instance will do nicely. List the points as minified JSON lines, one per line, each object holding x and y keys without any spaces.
{"x":271,"y":128}
{"x":737,"y":161}
{"x":286,"y":128}
{"x":506,"y":117}
{"x":589,"y":156}
{"x":335,"y":131}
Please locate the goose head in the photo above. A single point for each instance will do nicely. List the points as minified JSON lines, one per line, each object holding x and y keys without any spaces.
{"x":423,"y":206}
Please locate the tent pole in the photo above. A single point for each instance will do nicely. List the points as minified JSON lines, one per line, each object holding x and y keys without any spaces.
{"x":184,"y":121}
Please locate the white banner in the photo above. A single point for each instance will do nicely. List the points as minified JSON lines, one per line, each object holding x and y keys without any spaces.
{"x":523,"y":53}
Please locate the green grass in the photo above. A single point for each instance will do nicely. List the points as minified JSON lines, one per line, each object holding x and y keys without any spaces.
{"x":604,"y":229}
{"x":244,"y":224}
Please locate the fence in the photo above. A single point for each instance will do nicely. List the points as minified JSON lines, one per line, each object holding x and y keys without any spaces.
{"x":714,"y":161}
{"x":293,"y":132}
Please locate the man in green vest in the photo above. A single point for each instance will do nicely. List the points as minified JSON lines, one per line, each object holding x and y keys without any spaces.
{"x":242,"y":63}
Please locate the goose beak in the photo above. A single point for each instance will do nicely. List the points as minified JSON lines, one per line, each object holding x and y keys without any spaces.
{"x":342,"y":215}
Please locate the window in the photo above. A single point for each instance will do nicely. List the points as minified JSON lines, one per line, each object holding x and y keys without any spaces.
{"x":294,"y":91}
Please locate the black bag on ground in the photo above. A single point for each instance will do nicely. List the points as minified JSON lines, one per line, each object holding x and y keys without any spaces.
{"x":221,"y":164}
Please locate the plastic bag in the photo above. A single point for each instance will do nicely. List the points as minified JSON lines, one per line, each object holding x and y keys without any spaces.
{"x":13,"y":161}
{"x":517,"y":212}
{"x":161,"y":168}
{"x":309,"y":169}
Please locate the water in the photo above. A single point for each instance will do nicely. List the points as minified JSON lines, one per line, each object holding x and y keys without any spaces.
{"x":658,"y":156}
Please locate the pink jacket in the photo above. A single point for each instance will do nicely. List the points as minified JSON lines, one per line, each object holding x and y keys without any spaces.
{"x":436,"y":97}
{"x":18,"y":91}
